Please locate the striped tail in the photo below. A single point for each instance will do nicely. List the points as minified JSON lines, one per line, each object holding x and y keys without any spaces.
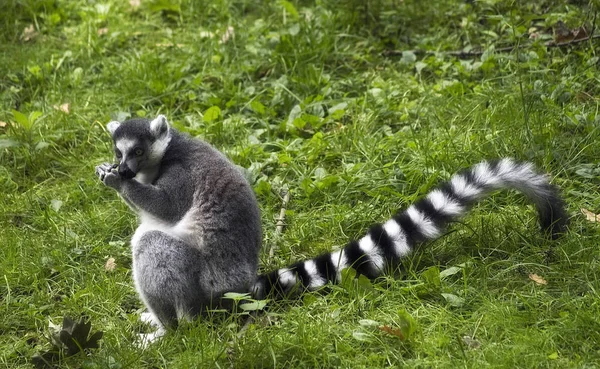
{"x":385,"y":244}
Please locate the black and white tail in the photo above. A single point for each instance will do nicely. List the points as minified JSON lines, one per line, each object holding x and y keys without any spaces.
{"x":385,"y":244}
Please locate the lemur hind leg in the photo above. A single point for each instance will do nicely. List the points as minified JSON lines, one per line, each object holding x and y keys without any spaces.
{"x":168,"y":275}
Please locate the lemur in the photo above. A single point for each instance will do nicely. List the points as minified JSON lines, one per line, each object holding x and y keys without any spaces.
{"x":199,"y":233}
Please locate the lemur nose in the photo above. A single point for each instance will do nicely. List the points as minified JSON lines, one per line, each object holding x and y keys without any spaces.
{"x":125,"y":172}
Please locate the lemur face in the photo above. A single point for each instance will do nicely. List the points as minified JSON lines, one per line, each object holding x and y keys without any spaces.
{"x":139,"y":144}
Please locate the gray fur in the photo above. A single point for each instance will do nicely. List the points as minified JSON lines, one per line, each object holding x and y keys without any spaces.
{"x":199,"y":234}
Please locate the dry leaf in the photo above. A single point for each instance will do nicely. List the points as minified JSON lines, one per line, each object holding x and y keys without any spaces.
{"x":229,"y":34}
{"x":393,"y":331}
{"x":63,"y":107}
{"x":471,"y":342}
{"x":563,"y":34}
{"x":135,"y":3}
{"x":29,"y":33}
{"x":102,"y":31}
{"x":3,"y":124}
{"x":537,"y":279}
{"x":579,"y":33}
{"x":110,"y":265}
{"x":590,"y":216}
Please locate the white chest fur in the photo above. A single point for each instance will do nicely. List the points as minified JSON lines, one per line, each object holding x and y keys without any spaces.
{"x":147,"y":176}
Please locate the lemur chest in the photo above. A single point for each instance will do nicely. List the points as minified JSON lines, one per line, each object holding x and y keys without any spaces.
{"x":187,"y":229}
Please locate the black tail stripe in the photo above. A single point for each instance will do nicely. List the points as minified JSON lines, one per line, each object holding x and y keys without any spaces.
{"x":383,"y":240}
{"x":426,"y":207}
{"x":301,"y":273}
{"x":358,"y":260}
{"x":413,"y":235}
{"x":272,"y":283}
{"x":447,"y":190}
{"x":326,"y":268}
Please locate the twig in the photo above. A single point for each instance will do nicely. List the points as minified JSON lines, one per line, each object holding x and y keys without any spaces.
{"x":473,"y":53}
{"x":280,"y":220}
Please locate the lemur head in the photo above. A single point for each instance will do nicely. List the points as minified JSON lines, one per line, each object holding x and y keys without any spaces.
{"x":139,"y":143}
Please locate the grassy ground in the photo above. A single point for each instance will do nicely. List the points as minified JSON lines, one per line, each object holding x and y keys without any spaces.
{"x":301,"y":94}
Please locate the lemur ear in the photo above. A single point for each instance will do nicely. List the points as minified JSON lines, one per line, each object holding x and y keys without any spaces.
{"x":112,"y":126}
{"x":159,"y":126}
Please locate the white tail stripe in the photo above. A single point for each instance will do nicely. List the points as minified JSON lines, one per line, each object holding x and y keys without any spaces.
{"x":442,"y":203}
{"x":484,"y":175}
{"x":287,"y":278}
{"x":316,"y":280}
{"x":368,"y":246}
{"x":340,"y":262}
{"x":393,"y":230}
{"x":463,"y":188}
{"x":505,"y":166}
{"x":424,"y":224}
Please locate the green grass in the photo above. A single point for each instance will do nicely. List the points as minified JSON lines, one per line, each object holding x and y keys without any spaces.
{"x":307,"y":102}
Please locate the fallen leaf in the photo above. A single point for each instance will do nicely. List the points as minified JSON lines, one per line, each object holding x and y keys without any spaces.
{"x":393,"y":331}
{"x":579,"y":33}
{"x":229,"y":34}
{"x":206,"y":34}
{"x":110,"y":265}
{"x":360,"y":336}
{"x":63,"y":107}
{"x":537,"y":279}
{"x":29,"y":33}
{"x":471,"y":342}
{"x":135,"y":3}
{"x":102,"y":31}
{"x":590,"y":216}
{"x":562,"y":34}
{"x":3,"y":124}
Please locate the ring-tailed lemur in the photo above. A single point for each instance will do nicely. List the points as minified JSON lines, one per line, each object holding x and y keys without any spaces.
{"x":199,"y":234}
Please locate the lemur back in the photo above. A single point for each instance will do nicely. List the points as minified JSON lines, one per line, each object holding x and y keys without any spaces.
{"x":199,"y":234}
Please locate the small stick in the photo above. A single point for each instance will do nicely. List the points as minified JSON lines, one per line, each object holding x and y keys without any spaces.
{"x":473,"y":53}
{"x":280,"y":220}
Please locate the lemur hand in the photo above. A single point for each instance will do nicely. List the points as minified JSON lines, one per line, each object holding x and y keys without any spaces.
{"x":107,"y":173}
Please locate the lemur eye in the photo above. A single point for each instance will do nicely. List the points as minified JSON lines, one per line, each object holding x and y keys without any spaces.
{"x":118,"y":154}
{"x":139,"y":151}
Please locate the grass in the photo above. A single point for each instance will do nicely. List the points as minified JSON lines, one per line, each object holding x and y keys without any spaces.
{"x":302,"y":96}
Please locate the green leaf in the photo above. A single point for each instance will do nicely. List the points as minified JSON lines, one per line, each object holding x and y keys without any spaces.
{"x":407,"y":324}
{"x":164,"y":5}
{"x":432,"y":277}
{"x":348,"y":276}
{"x":408,"y":57}
{"x":56,"y":204}
{"x":290,"y":8}
{"x":258,"y":107}
{"x":419,"y":66}
{"x":33,"y":116}
{"x":120,"y":116}
{"x":211,"y":114}
{"x":453,"y":300}
{"x":368,"y":323}
{"x":361,"y":336}
{"x":450,"y":271}
{"x":5,"y":143}
{"x":236,"y":296}
{"x":21,"y":119}
{"x":254,"y":305}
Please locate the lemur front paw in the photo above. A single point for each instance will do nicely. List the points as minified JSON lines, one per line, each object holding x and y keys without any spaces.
{"x":107,"y":173}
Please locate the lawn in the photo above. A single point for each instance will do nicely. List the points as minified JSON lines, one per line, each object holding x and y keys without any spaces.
{"x":356,"y":108}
